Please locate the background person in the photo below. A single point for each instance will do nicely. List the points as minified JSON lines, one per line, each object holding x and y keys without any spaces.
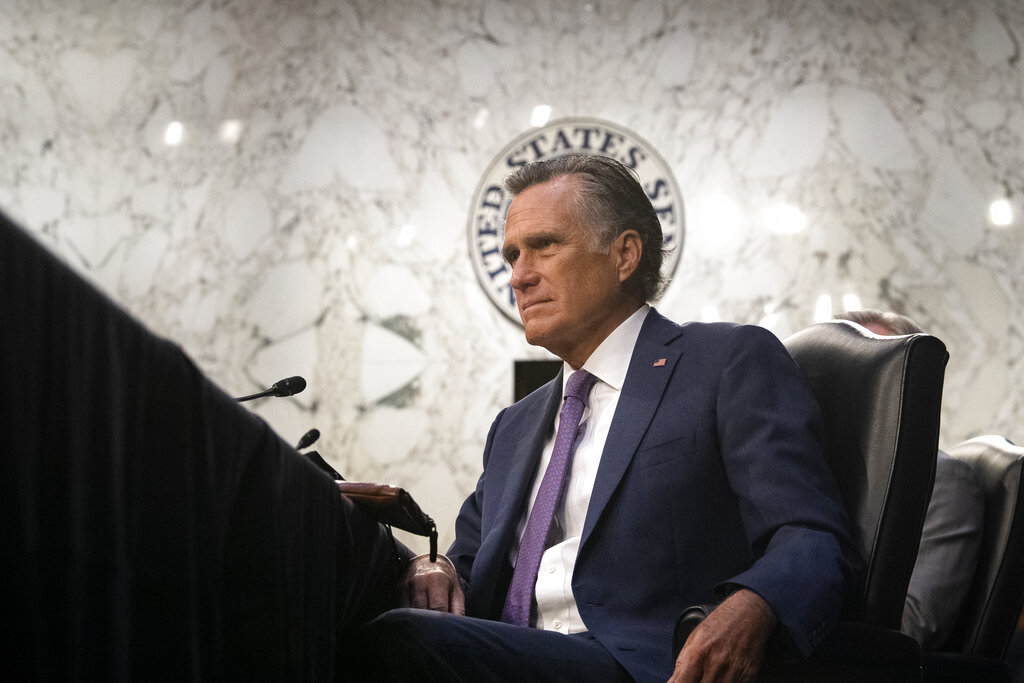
{"x":953,"y":526}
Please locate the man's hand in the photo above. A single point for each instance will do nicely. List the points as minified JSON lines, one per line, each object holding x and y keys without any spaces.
{"x":729,"y":644}
{"x":433,"y":585}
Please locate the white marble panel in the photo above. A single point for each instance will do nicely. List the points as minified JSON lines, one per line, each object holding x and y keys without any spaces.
{"x":312,"y":218}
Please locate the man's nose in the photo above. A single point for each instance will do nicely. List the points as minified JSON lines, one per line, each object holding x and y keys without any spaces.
{"x":523,"y":273}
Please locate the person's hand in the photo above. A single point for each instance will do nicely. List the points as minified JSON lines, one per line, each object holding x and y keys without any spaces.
{"x":433,"y":585}
{"x":729,"y":644}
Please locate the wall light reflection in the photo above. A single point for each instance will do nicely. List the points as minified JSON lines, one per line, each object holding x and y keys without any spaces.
{"x":174,"y":133}
{"x":541,"y":114}
{"x":823,"y":309}
{"x":1000,"y":213}
{"x":851,"y":302}
{"x":785,"y":219}
{"x":406,"y":235}
{"x":480,"y":120}
{"x":230,"y":131}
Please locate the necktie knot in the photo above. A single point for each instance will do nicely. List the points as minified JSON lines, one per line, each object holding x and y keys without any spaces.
{"x":579,"y":385}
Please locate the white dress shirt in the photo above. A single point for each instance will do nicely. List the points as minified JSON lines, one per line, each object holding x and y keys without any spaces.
{"x":556,"y":605}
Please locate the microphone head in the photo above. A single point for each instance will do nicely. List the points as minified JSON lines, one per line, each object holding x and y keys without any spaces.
{"x":289,"y":386}
{"x":308,"y":439}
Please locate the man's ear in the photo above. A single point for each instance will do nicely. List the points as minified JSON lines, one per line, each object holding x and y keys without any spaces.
{"x":627,"y":247}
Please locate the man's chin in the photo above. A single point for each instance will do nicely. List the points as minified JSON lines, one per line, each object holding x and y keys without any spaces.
{"x":535,"y":333}
{"x":532,"y":337}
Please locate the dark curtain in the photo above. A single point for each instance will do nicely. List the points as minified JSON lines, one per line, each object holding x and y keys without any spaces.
{"x":153,"y":528}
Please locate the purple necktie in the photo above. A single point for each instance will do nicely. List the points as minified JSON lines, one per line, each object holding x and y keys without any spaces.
{"x":519,"y":601}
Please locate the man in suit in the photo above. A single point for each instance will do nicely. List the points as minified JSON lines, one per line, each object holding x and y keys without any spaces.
{"x":696,"y":473}
{"x":953,"y":526}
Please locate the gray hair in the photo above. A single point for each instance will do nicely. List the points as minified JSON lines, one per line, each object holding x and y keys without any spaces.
{"x":894,"y":322}
{"x":609,"y":202}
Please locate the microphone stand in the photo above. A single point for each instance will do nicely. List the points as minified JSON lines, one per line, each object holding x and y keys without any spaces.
{"x":250,"y":397}
{"x":285,"y":387}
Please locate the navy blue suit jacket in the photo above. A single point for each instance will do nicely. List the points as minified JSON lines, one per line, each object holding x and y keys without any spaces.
{"x":712,"y":477}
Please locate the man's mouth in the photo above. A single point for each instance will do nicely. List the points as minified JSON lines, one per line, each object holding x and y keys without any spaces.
{"x":526,"y":305}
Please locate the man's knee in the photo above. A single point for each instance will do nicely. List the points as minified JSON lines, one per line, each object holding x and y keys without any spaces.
{"x":404,"y":621}
{"x":395,"y":645}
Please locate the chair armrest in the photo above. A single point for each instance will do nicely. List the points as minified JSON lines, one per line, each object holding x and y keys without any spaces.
{"x":951,"y":667}
{"x":687,"y":621}
{"x":853,"y":651}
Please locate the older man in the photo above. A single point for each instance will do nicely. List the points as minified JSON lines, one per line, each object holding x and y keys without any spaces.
{"x":666,"y":465}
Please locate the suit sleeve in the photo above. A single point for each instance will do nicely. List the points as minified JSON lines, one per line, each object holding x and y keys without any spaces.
{"x":463,"y":549}
{"x":770,"y":433}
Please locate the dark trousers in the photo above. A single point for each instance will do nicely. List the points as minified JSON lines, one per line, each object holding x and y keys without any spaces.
{"x":420,"y":645}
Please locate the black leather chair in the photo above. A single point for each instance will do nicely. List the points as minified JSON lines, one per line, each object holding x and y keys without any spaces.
{"x":977,"y":645}
{"x":880,"y":399}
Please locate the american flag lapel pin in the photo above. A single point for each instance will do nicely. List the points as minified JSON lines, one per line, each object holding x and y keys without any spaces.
{"x":660,"y":362}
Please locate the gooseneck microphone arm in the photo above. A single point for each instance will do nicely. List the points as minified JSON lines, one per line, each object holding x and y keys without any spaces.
{"x":286,"y":387}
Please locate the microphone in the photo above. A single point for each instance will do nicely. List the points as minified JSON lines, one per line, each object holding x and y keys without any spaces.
{"x":285,"y":387}
{"x":288,"y":386}
{"x":308,"y":439}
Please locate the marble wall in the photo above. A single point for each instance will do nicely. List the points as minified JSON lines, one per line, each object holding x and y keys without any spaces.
{"x":283,"y":187}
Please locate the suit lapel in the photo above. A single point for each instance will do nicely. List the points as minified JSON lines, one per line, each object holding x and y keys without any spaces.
{"x":514,"y":466}
{"x":650,"y":369}
{"x":525,"y":459}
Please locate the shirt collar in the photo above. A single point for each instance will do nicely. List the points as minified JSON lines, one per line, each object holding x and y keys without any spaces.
{"x":610,"y":360}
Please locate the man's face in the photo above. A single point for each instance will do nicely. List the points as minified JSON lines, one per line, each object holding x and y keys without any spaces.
{"x":568,"y":295}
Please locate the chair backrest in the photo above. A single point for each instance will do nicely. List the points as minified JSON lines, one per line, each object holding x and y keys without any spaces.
{"x":880,"y":398}
{"x":994,"y":602}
